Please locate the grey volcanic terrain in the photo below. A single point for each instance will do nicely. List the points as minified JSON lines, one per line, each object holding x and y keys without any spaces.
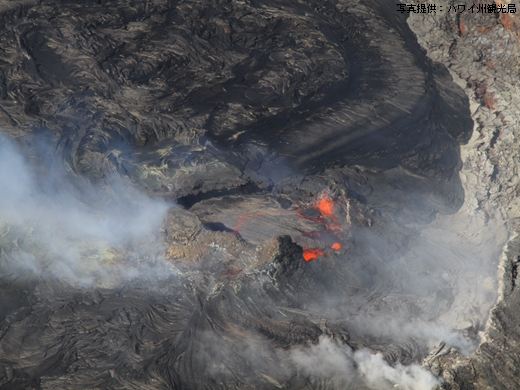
{"x":234,"y":195}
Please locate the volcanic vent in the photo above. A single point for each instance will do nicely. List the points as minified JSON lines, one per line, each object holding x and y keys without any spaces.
{"x":266,"y":186}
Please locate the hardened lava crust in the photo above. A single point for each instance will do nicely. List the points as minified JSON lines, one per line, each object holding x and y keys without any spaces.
{"x":307,"y":145}
{"x":213,"y":95}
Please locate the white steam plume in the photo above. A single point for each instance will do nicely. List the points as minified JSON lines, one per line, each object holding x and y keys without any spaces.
{"x":355,"y":369}
{"x":73,"y":229}
{"x":429,"y":332}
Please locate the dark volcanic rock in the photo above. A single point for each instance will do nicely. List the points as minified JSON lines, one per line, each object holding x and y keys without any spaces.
{"x":211,"y":95}
{"x":288,"y":257}
{"x":237,"y":108}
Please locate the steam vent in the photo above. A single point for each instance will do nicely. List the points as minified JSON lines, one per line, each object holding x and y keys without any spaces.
{"x":259,"y":194}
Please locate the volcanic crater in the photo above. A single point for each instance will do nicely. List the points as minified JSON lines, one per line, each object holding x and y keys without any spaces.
{"x":232,"y":195}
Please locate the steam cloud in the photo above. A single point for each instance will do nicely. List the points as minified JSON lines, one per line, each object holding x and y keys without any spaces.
{"x":430,"y":332}
{"x":72,"y":228}
{"x":348,"y":368}
{"x":78,"y":232}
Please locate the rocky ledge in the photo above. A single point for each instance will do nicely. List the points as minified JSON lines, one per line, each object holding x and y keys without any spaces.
{"x":481,"y":50}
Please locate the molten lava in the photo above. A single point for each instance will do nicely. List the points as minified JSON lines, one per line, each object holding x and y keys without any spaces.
{"x":320,"y":211}
{"x":325,"y":207}
{"x":309,"y":254}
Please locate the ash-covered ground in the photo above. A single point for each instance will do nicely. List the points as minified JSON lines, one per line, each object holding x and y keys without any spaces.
{"x":235,"y":195}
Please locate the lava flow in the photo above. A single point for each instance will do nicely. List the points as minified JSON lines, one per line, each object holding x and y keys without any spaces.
{"x":322,"y":212}
{"x":309,"y":254}
{"x":242,"y":219}
{"x":325,"y":206}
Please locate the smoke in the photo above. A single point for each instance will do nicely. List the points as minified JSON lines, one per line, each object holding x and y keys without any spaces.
{"x":398,"y":330}
{"x":379,"y":374}
{"x":58,"y":224}
{"x":363,"y":368}
{"x":63,"y":225}
{"x":433,"y":332}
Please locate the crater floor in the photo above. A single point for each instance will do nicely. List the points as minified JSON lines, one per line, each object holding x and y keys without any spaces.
{"x":236,"y":195}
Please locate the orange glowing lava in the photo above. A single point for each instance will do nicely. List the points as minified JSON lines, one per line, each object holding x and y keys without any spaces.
{"x":326,"y":207}
{"x":331,"y":235}
{"x":309,"y":254}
